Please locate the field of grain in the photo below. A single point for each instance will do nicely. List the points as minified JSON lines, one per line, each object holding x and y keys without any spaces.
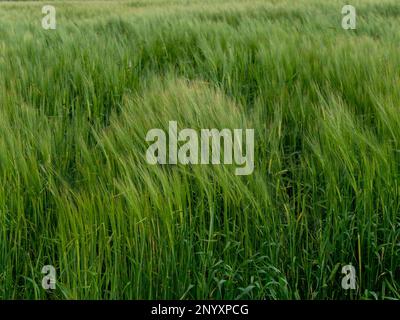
{"x":77,"y":193}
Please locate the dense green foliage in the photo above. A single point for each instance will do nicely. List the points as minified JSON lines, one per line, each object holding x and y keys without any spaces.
{"x":76,"y":191}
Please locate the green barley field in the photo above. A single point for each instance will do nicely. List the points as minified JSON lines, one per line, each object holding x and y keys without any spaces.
{"x":77,"y":192}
